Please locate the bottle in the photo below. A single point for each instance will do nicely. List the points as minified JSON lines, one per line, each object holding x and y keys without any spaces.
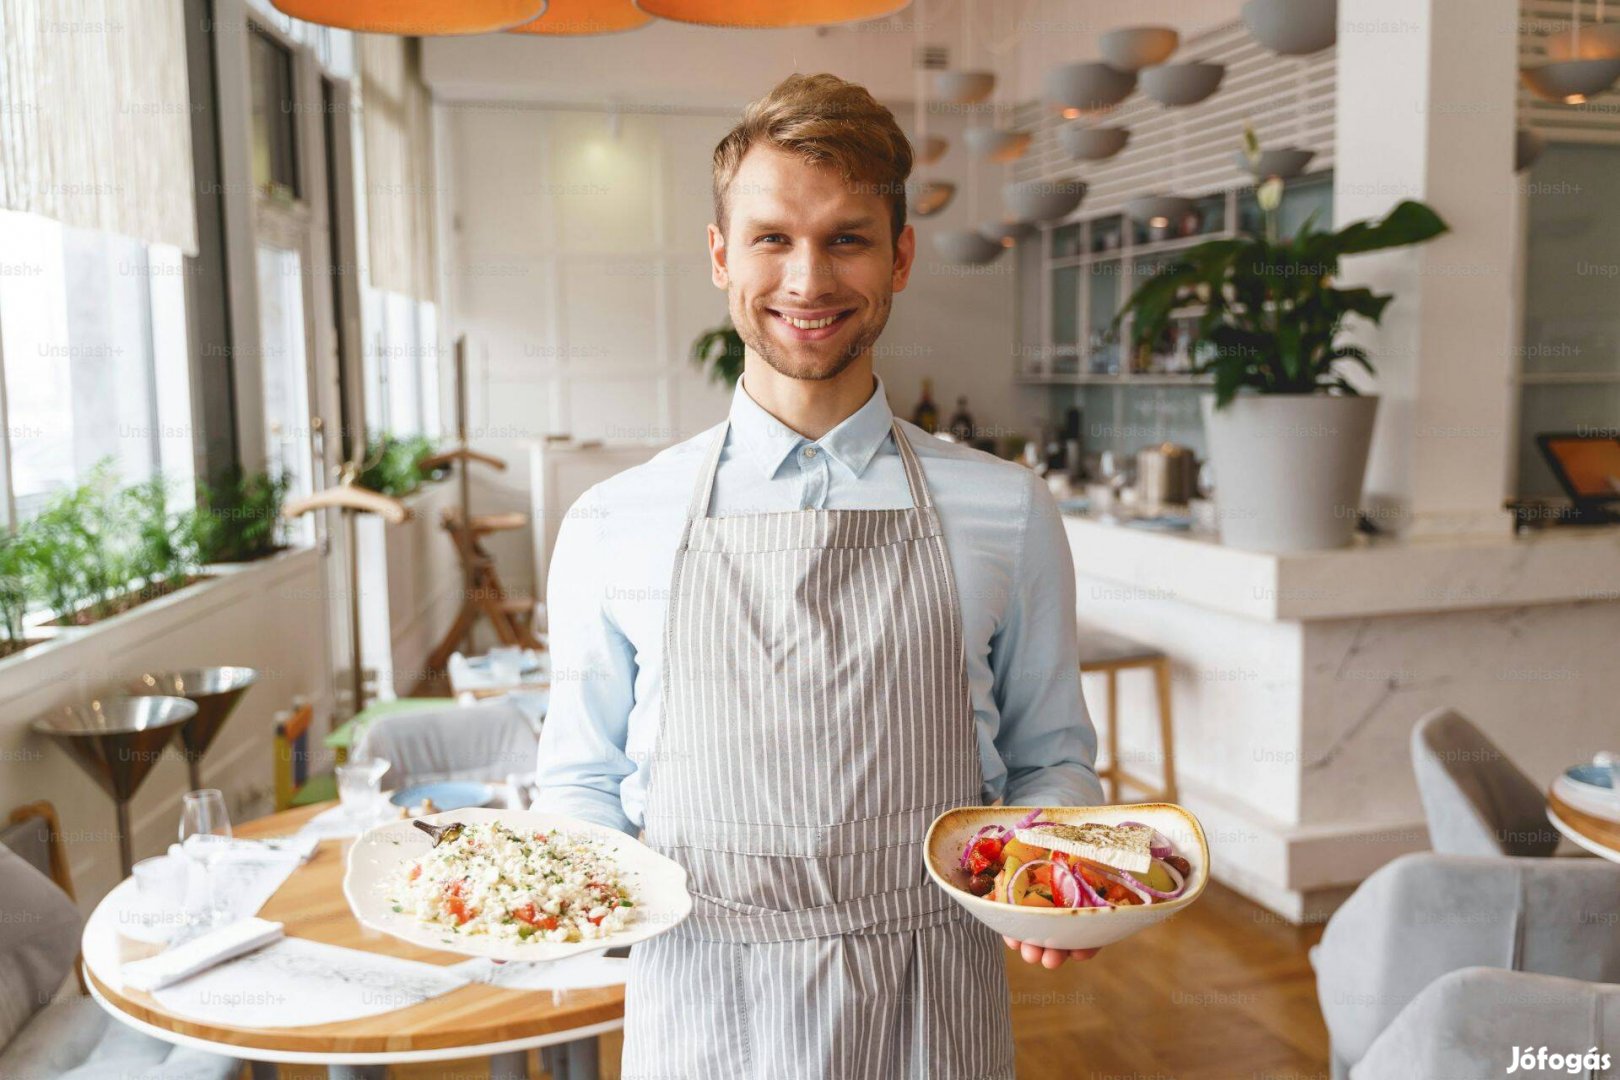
{"x":962,"y":423}
{"x":926,"y":414}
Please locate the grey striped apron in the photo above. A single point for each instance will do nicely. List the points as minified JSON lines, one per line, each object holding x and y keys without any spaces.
{"x":816,"y":718}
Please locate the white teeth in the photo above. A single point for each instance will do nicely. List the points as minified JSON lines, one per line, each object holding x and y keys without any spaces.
{"x":809,"y":324}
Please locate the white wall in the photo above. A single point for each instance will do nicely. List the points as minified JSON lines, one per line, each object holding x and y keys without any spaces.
{"x":578,"y":268}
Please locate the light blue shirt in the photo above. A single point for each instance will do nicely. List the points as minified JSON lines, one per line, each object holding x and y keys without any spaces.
{"x":608,"y":590}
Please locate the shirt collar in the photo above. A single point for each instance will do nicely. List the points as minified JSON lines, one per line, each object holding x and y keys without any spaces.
{"x":852,"y":443}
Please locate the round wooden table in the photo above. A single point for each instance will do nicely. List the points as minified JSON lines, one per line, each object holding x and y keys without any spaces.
{"x":1600,"y":836}
{"x":474,"y":1021}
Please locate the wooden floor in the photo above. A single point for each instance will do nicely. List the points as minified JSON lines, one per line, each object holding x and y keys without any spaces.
{"x":1223,"y":991}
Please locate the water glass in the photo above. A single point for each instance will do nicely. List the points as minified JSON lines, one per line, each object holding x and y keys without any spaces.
{"x":205,"y":834}
{"x":359,"y":786}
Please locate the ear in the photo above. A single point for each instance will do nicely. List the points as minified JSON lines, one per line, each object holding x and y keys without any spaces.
{"x":905,"y":253}
{"x":717,"y":258}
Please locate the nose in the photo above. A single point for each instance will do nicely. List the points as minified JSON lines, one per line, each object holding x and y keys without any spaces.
{"x":810,"y":273}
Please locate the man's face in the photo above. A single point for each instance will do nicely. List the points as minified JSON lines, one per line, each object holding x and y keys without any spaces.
{"x":808,"y":265}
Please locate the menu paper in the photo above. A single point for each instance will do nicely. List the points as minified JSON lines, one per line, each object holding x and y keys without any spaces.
{"x":297,"y":983}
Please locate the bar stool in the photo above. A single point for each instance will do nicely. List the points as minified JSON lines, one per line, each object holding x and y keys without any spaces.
{"x":1108,"y":654}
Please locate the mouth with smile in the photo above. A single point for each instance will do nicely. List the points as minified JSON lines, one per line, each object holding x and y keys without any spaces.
{"x":810,"y":325}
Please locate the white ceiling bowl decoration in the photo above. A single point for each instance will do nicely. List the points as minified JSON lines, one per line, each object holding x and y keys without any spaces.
{"x":1293,"y":27}
{"x":1182,"y":84}
{"x":1133,"y":48}
{"x":1571,"y":82}
{"x":1008,"y":233}
{"x":1092,"y":143}
{"x":1159,"y":211}
{"x":1284,"y":163}
{"x":968,"y":247}
{"x":929,"y":197}
{"x":996,"y":144}
{"x":1042,"y":200}
{"x":963,"y":87}
{"x":1088,"y":86}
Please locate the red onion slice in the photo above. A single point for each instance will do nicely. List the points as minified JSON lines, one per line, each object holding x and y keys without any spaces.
{"x":1068,"y":888}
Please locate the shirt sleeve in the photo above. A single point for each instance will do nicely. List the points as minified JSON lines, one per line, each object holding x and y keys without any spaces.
{"x":582,"y":760}
{"x":1045,"y":739}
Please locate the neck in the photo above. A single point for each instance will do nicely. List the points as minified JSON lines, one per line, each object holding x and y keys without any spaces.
{"x":811,"y":407}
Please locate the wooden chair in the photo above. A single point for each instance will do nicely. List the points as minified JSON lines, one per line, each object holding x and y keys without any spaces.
{"x":34,"y":833}
{"x":1109,"y":654}
{"x":483,"y":595}
{"x":294,"y":784}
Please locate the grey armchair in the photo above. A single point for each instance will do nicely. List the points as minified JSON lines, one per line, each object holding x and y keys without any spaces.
{"x":1425,"y":915}
{"x":71,"y":1038}
{"x":1476,"y":801}
{"x":1478,"y":1021}
{"x":489,"y":741}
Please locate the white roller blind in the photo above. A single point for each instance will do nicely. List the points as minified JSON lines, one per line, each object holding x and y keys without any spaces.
{"x":397,"y":123}
{"x":95,"y":116}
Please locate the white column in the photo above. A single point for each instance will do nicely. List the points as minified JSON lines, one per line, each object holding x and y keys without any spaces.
{"x":1426,"y":110}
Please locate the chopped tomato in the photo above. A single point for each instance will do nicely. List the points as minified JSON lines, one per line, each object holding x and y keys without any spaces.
{"x":528,"y":914}
{"x":986,"y":853}
{"x":457,"y":905}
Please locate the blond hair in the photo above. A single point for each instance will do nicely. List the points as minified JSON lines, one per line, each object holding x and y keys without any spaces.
{"x":824,"y":120}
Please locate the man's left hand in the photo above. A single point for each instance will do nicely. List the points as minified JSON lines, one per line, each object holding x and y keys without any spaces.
{"x":1047,"y":958}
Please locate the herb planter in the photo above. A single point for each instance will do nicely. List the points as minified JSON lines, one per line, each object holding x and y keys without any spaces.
{"x":1288,"y":468}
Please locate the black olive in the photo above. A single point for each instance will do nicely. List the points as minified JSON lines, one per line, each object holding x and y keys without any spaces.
{"x":1182,"y":866}
{"x":981,"y":884}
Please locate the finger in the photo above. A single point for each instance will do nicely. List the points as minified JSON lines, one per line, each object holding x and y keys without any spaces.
{"x":1053,"y":958}
{"x":1084,"y":954}
{"x":1032,"y":953}
{"x":1012,"y":942}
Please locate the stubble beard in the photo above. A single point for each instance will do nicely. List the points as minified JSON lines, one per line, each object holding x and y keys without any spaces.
{"x":810,"y":364}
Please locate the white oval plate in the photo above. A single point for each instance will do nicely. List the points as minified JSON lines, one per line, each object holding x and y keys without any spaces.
{"x":1065,"y":928}
{"x":657,"y":885}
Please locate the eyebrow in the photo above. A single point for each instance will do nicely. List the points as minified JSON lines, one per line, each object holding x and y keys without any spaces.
{"x":864,"y":222}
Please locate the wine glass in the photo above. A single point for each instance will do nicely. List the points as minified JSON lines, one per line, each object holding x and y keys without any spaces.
{"x":205,"y":833}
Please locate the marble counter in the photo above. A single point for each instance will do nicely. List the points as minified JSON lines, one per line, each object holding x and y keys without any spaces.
{"x":1298,"y":679}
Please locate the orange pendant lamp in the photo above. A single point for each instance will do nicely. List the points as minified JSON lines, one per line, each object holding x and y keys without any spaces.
{"x":415,"y":17}
{"x":586,"y":17}
{"x":765,"y":14}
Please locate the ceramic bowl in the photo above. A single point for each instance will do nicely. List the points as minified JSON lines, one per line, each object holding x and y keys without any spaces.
{"x":1065,"y":928}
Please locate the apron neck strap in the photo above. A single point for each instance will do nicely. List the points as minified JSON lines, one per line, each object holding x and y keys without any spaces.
{"x":703,"y":490}
{"x":914,"y":474}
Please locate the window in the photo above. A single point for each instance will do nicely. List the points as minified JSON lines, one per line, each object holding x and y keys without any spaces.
{"x":93,"y":352}
{"x":274,"y":132}
{"x":285,"y":365}
{"x":1569,"y":365}
{"x":401,"y":364}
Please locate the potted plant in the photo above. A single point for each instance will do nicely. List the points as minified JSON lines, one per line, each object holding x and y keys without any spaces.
{"x":1288,"y":433}
{"x":720,"y":351}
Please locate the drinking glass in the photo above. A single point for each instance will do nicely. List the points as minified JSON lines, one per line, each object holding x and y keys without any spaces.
{"x":359,"y":786}
{"x":205,"y":833}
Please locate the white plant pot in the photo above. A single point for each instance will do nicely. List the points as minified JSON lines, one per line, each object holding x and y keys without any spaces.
{"x":1288,"y":468}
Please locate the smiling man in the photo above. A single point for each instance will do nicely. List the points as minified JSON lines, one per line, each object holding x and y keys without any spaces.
{"x":781,"y":648}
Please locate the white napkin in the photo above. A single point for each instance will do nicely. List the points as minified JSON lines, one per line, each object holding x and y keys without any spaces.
{"x":200,"y":953}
